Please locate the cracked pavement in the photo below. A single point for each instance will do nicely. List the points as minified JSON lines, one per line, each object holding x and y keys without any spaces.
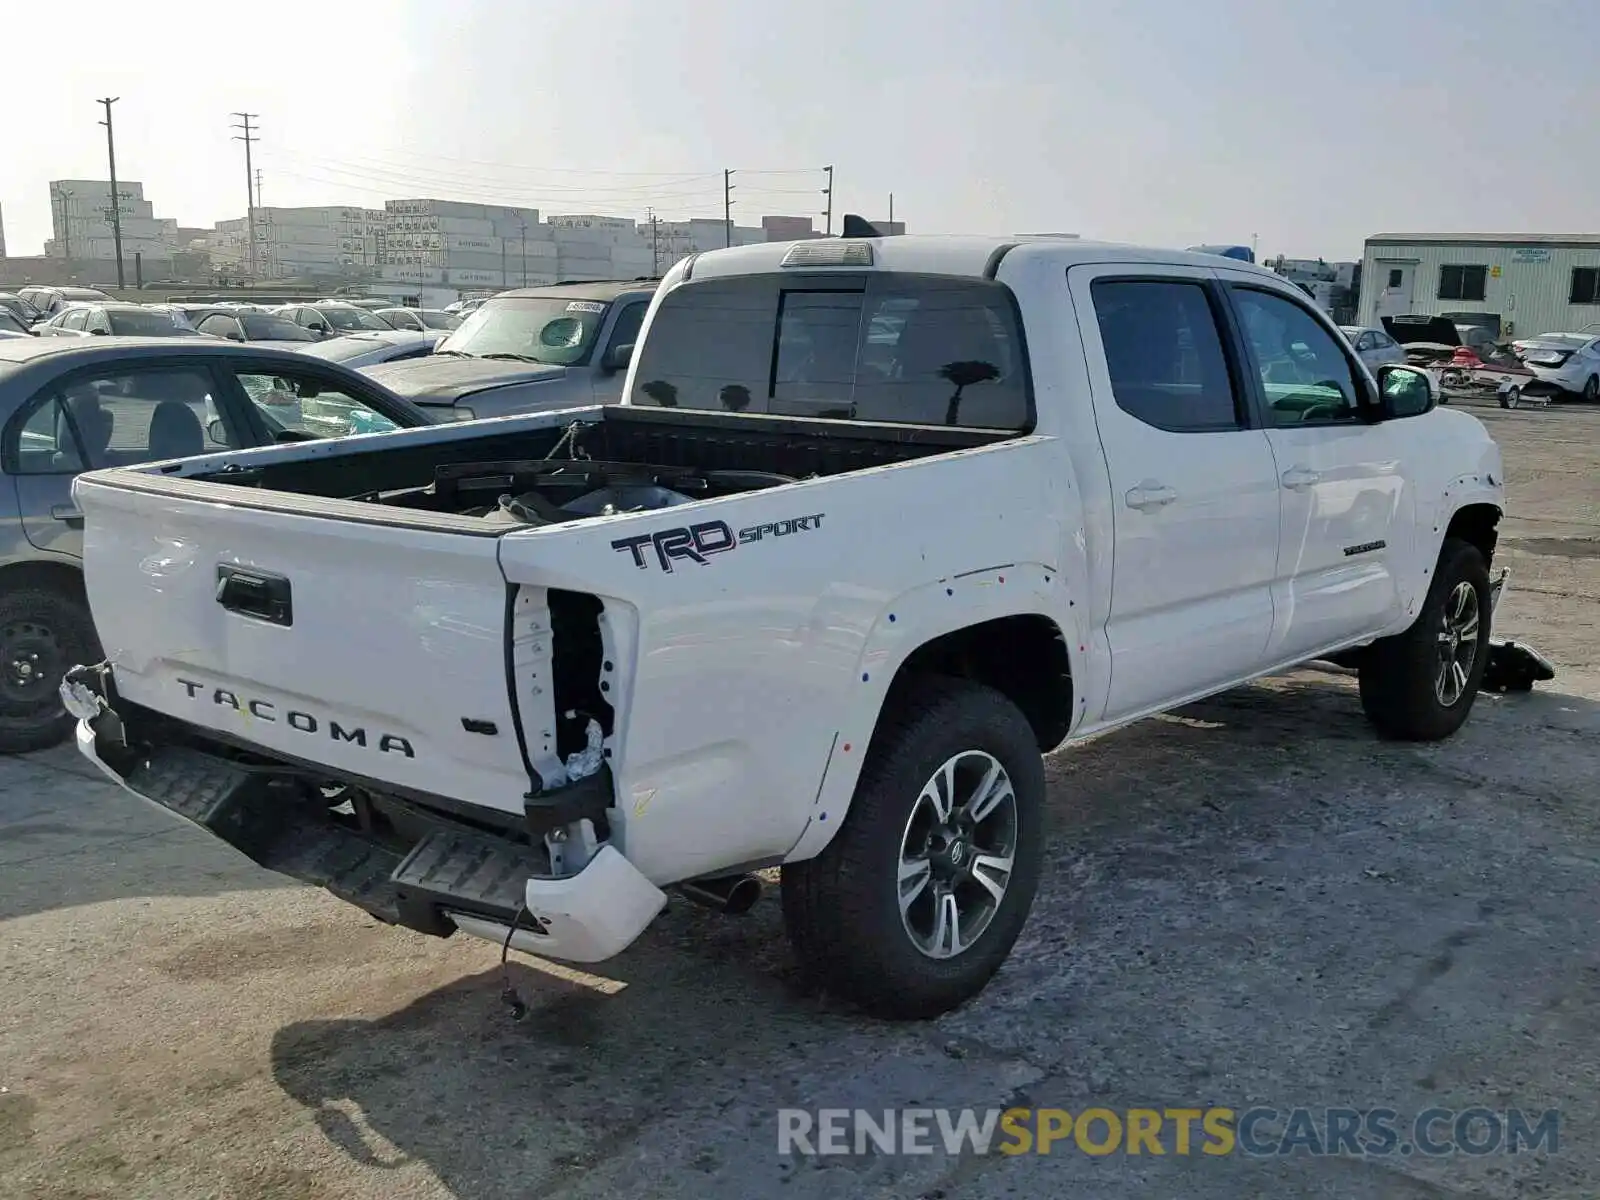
{"x":1252,"y":901}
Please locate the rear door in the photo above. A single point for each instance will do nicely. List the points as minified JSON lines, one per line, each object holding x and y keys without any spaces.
{"x":1195,"y":490}
{"x":1347,"y":504}
{"x":106,"y":417}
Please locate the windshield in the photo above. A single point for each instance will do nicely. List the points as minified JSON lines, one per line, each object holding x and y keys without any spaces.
{"x":140,"y":322}
{"x":546,"y":329}
{"x":11,"y":322}
{"x":1554,"y":341}
{"x":274,"y":329}
{"x":352,"y":318}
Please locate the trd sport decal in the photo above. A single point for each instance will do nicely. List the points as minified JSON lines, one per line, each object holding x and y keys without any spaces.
{"x":697,"y":543}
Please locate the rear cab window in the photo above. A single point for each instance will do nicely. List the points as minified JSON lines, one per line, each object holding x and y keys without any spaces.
{"x":880,"y":346}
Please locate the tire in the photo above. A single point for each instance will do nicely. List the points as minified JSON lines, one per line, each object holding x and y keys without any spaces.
{"x":43,"y":632}
{"x":842,"y":909}
{"x":1511,"y":397}
{"x":1591,"y":389}
{"x":1402,"y":682}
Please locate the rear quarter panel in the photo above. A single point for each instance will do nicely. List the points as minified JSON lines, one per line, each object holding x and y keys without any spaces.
{"x":741,"y":680}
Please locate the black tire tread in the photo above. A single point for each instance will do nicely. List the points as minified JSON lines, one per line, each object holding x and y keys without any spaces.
{"x":1397,"y":676}
{"x":827,"y":911}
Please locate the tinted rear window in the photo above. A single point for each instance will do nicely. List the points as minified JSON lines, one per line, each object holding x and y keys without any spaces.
{"x":913,"y":349}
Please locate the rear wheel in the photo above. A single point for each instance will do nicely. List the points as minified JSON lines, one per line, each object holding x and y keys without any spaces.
{"x":1591,"y":389}
{"x":1511,"y":397}
{"x":919,"y":898}
{"x":1420,"y":685}
{"x":43,"y":632}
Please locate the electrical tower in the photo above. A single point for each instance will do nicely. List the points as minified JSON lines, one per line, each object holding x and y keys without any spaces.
{"x":828,"y":192}
{"x":249,"y":138}
{"x":116,"y":211}
{"x":727,"y":208}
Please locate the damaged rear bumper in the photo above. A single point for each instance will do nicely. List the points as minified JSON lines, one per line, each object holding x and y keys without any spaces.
{"x":402,"y":861}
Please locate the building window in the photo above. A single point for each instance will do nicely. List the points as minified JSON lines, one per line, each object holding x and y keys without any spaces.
{"x":1396,"y":277}
{"x":1462,"y":283}
{"x":1585,"y":286}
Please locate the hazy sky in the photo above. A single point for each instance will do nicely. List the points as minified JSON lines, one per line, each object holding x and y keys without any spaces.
{"x":1311,"y":124}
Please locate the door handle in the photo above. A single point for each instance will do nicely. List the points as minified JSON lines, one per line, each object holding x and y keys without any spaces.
{"x":1150,"y":494}
{"x":1301,"y":477}
{"x":68,"y":515}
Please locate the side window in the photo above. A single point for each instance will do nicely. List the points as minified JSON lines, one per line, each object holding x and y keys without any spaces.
{"x":219,"y":325}
{"x":1366,"y":342}
{"x":95,"y":321}
{"x":1164,"y":355}
{"x":1304,"y":374}
{"x":122,"y":419}
{"x":74,"y":318}
{"x":629,"y":322}
{"x":301,"y":404}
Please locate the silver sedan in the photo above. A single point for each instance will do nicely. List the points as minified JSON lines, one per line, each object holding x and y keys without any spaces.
{"x":1375,"y":347}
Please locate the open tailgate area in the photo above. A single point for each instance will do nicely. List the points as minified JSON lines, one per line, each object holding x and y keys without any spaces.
{"x":377,"y":650}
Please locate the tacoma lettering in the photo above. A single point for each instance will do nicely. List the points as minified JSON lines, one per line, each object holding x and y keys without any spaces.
{"x":299,"y":721}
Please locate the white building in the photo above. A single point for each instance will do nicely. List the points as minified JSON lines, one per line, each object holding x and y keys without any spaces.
{"x":81,"y":225}
{"x":1534,"y":283}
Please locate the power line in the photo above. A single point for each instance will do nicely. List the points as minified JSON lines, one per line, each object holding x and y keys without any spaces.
{"x":249,"y":138}
{"x":116,"y":211}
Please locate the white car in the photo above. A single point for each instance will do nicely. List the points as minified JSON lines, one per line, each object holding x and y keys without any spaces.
{"x":1374,"y":346}
{"x":1563,"y":364}
{"x":419,"y":319}
{"x":367,"y":349}
{"x":816,"y":594}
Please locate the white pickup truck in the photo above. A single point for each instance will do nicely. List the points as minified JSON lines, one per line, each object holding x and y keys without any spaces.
{"x":879,"y":522}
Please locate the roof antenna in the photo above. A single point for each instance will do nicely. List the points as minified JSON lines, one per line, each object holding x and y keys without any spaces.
{"x":855,"y":227}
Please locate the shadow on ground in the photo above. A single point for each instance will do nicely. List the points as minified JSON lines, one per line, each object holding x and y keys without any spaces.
{"x":1252,"y":900}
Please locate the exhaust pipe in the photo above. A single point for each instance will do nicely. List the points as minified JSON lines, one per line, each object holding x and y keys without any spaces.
{"x":732,"y":894}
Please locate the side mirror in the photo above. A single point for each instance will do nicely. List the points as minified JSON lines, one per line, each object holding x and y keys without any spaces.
{"x":216,"y":431}
{"x":101,"y":332}
{"x":1404,"y":391}
{"x":618,"y":357}
{"x":319,"y":330}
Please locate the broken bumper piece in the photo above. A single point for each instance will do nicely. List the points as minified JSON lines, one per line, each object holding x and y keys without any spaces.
{"x":437,"y":876}
{"x":1512,"y":666}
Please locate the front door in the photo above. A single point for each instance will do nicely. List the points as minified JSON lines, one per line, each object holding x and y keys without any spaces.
{"x":1194,"y":486}
{"x":1394,"y":280}
{"x":1346,"y":505}
{"x":108,"y":417}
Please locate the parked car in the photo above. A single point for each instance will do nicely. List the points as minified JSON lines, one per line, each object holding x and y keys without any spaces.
{"x":19,"y":308}
{"x":817,"y":593}
{"x":368,"y":349}
{"x":256,"y":327}
{"x":71,"y":404}
{"x":12,"y":325}
{"x":419,"y":319}
{"x":83,"y":319}
{"x":50,"y":300}
{"x":328,"y":319}
{"x":531,"y":349}
{"x":1564,"y":366}
{"x":1374,"y":346}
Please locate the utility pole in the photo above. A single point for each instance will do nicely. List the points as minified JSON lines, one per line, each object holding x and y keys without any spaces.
{"x":727,"y":208}
{"x":524,"y":254}
{"x":258,"y":187}
{"x":502,"y":264}
{"x":116,"y":211}
{"x":891,"y":208}
{"x":655,"y":244}
{"x":249,"y":138}
{"x":828,"y":192}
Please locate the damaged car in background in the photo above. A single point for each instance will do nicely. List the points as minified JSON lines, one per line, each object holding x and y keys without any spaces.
{"x":1563,"y":366}
{"x":1462,"y":359}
